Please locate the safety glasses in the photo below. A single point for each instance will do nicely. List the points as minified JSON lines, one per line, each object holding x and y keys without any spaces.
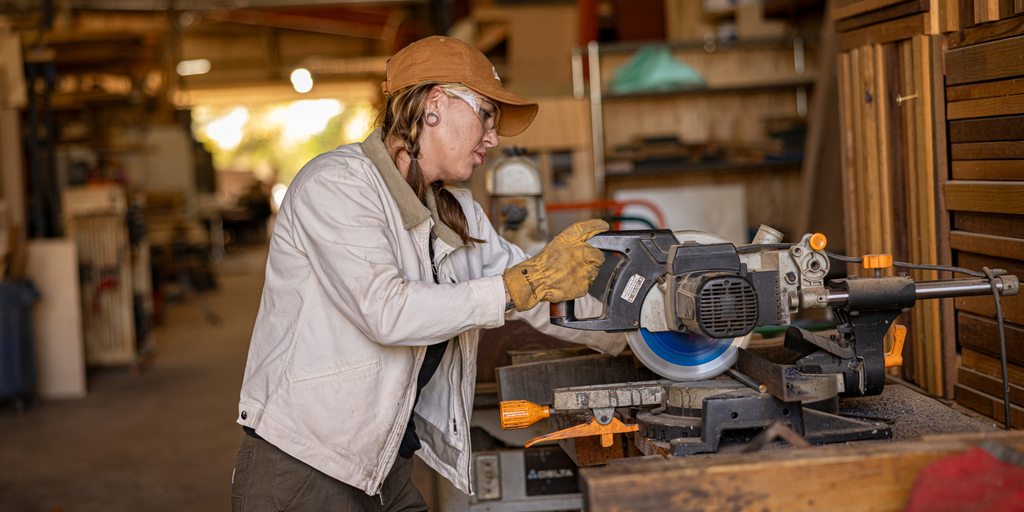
{"x":484,"y":108}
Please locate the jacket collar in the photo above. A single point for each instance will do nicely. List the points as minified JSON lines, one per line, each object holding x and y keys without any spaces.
{"x":410,"y":208}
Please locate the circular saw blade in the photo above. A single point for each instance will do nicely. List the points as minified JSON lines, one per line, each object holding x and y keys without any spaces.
{"x":685,"y":357}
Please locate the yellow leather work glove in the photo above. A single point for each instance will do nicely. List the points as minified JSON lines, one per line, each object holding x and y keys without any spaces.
{"x":561,"y":271}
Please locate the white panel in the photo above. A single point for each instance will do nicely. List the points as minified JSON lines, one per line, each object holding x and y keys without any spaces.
{"x":717,"y":209}
{"x":60,"y":351}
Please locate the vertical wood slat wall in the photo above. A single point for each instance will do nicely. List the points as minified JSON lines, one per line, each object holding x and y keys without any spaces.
{"x":890,"y":70}
{"x":985,"y":109}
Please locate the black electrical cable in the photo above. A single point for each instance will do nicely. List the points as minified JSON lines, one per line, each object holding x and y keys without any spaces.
{"x":991,"y":274}
{"x":744,"y":249}
{"x":900,"y":264}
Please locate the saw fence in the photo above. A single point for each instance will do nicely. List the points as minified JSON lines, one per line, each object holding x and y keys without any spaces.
{"x":931,"y":104}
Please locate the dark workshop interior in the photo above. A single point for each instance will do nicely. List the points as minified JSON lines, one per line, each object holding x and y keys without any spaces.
{"x":816,"y":213}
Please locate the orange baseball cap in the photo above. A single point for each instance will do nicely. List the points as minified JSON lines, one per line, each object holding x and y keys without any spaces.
{"x":446,"y":59}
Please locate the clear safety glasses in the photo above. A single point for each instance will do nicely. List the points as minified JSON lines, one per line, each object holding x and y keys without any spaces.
{"x":485,"y":109}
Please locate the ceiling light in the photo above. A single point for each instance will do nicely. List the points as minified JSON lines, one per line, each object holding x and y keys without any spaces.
{"x":193,"y":67}
{"x":302,"y":80}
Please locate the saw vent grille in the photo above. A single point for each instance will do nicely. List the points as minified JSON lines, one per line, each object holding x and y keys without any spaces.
{"x":728,"y":307}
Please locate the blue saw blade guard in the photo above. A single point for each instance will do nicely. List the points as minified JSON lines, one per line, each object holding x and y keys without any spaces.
{"x":685,"y":349}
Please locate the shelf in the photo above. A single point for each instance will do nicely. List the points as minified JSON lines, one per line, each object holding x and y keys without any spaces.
{"x":709,"y":46}
{"x":676,"y":169}
{"x":704,"y":91}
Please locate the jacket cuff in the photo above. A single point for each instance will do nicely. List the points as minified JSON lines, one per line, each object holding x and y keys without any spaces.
{"x":489,"y":294}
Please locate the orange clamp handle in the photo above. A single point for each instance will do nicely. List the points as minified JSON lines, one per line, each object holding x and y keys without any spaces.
{"x":588,"y":429}
{"x":521,"y":414}
{"x":876,"y":261}
{"x":895,"y":357}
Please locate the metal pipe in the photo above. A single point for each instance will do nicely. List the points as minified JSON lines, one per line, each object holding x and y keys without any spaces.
{"x":944,"y":288}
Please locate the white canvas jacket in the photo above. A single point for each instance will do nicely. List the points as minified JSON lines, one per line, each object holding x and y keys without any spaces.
{"x":348,"y":308}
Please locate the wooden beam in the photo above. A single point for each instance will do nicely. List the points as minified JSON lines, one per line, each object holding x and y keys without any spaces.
{"x":986,"y":61}
{"x":991,"y":366}
{"x":763,"y":481}
{"x":981,"y":333}
{"x":988,"y":169}
{"x":986,"y":11}
{"x":988,"y":130}
{"x":987,"y":150}
{"x":890,"y":31}
{"x":989,"y":245}
{"x":535,"y":381}
{"x":986,"y":107}
{"x":989,"y":224}
{"x":989,"y":384}
{"x":985,"y":33}
{"x":989,"y":405}
{"x":985,"y":196}
{"x":888,"y":13}
{"x":841,"y":12}
{"x":985,"y":90}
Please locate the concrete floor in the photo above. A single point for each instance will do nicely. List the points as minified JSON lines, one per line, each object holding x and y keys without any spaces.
{"x":163,"y":440}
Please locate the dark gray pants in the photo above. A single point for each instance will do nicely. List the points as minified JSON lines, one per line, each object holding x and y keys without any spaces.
{"x":267,"y":479}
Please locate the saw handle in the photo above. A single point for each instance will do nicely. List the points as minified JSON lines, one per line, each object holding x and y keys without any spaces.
{"x":642,"y":257}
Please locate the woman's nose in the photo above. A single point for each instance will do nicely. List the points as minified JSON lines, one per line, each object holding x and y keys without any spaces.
{"x":491,"y":139}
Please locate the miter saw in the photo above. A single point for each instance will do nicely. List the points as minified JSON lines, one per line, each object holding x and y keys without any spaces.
{"x":689,"y":302}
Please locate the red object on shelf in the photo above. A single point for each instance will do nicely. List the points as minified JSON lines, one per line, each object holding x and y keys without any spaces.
{"x":971,"y":481}
{"x":615,"y":207}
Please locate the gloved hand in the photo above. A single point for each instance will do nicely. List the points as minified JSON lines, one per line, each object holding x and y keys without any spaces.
{"x":563,"y":269}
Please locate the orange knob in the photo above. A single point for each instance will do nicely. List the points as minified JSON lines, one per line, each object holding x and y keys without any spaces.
{"x":818,"y":241}
{"x":876,"y":260}
{"x":521,"y":414}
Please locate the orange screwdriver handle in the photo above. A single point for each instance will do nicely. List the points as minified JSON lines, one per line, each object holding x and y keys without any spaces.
{"x":521,"y":414}
{"x":895,"y":358}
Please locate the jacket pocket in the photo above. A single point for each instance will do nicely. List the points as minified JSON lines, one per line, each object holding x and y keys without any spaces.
{"x":335,"y":372}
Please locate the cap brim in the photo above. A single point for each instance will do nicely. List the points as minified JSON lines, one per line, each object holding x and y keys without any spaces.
{"x":517,"y":112}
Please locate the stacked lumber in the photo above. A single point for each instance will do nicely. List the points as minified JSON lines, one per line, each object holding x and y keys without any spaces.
{"x":890,"y":71}
{"x":985,"y":109}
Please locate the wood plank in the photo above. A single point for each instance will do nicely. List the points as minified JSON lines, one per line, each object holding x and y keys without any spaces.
{"x":989,"y":384}
{"x":763,"y":481}
{"x":910,"y":128}
{"x":986,"y":11}
{"x":890,"y":31}
{"x":872,"y":183}
{"x":986,"y":107}
{"x":1018,"y":6}
{"x":923,"y":77}
{"x":987,"y":150}
{"x":945,"y":311}
{"x":841,"y":12}
{"x":985,"y":196}
{"x":981,"y":334}
{"x":985,"y":90}
{"x":885,"y":14}
{"x":989,"y":224}
{"x":987,"y":130}
{"x":882,"y":100}
{"x":1006,"y":9}
{"x":949,"y":15}
{"x":860,"y":170}
{"x":985,"y":33}
{"x":988,"y":170}
{"x":1013,"y":306}
{"x":849,"y":152}
{"x":989,"y":405}
{"x":989,"y":245}
{"x":990,"y":366}
{"x":994,"y":60}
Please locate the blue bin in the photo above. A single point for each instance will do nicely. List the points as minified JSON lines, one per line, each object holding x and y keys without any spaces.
{"x":17,"y":351}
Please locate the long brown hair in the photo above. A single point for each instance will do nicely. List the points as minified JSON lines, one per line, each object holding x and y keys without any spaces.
{"x":403,"y":117}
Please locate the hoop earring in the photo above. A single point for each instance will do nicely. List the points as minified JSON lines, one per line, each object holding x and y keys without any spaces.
{"x":437,"y":118}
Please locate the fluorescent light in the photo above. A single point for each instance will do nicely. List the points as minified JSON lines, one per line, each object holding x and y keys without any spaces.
{"x":302,"y":80}
{"x":193,"y":67}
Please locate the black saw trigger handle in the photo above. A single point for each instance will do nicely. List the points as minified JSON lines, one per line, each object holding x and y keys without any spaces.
{"x":643,"y":255}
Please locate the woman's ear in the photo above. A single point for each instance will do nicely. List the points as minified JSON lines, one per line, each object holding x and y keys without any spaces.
{"x":436,"y":100}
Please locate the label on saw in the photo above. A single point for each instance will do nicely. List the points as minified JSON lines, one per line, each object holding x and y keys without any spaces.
{"x":633,"y":288}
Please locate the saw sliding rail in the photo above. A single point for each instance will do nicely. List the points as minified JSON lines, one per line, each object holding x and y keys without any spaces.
{"x":941,"y":289}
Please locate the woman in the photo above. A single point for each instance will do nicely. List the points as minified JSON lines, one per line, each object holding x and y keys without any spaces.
{"x":378,"y":281}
